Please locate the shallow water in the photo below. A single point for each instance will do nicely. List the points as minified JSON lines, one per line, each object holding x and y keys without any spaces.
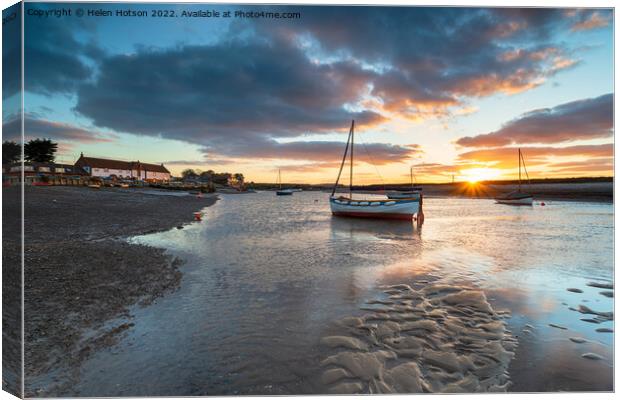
{"x":266,"y":278}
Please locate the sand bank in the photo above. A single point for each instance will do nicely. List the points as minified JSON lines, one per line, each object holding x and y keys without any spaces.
{"x":439,"y":338}
{"x":80,"y":272}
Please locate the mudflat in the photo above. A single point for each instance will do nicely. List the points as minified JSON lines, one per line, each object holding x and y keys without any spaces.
{"x":81,"y":274}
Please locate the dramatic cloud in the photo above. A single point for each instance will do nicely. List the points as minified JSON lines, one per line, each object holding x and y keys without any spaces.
{"x":224,"y":95}
{"x":577,"y":120}
{"x":54,"y":60}
{"x":340,"y":63}
{"x":429,"y":57}
{"x":41,"y":128}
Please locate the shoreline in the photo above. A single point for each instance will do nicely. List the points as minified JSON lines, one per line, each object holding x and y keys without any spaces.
{"x":82,"y":275}
{"x":600,"y":192}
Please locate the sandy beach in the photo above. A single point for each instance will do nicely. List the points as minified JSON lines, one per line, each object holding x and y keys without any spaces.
{"x":80,"y":271}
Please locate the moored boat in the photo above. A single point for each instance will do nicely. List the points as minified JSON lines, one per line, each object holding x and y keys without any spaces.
{"x":517,"y":197}
{"x":413,"y":193}
{"x":362,"y":208}
{"x":280,"y":191}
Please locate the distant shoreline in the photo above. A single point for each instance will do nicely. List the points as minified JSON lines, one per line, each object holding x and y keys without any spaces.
{"x":594,"y":191}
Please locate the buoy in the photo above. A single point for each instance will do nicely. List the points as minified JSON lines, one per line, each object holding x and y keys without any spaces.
{"x":198,"y":216}
{"x":542,"y":203}
{"x":199,"y":195}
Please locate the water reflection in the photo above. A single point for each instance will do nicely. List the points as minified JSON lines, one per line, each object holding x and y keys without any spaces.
{"x":265,"y":278}
{"x":351,"y":228}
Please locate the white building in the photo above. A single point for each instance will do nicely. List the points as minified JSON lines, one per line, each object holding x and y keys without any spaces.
{"x":103,"y":168}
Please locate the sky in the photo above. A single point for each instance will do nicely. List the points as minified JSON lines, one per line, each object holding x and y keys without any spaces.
{"x":447,"y":92}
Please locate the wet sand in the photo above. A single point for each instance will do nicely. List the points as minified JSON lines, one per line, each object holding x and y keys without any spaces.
{"x":81,"y":272}
{"x":435,"y":339}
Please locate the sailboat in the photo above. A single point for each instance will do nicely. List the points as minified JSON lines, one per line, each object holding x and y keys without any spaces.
{"x":280,"y":191}
{"x":350,"y":207}
{"x":517,"y":197}
{"x":413,"y":193}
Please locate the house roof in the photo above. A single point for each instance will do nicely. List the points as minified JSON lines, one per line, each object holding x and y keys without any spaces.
{"x":118,"y":164}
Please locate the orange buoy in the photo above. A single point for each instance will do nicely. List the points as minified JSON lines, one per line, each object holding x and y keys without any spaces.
{"x":198,"y":216}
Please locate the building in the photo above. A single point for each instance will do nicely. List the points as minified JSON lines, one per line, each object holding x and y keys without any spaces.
{"x":104,"y":168}
{"x":36,"y":172}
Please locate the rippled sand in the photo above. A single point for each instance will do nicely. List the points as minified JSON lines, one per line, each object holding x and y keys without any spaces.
{"x":437,"y":339}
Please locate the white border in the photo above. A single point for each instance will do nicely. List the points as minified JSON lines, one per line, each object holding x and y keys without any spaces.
{"x":462,"y":3}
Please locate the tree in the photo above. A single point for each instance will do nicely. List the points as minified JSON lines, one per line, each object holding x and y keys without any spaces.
{"x":206,"y":176}
{"x":40,"y":150}
{"x":221,"y":178}
{"x":189,"y":173}
{"x":11,"y":152}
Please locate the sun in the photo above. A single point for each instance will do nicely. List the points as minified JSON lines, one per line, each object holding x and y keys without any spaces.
{"x":474,"y":175}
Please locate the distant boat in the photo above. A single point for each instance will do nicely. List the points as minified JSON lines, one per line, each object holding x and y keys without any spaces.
{"x":280,"y":191}
{"x":384,"y":209}
{"x":414,"y":193}
{"x":517,"y":197}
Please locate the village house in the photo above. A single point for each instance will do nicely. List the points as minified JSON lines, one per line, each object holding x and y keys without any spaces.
{"x":36,"y":172}
{"x":105,"y":168}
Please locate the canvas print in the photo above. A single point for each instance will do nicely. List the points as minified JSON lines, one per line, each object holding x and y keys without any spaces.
{"x":207,"y":199}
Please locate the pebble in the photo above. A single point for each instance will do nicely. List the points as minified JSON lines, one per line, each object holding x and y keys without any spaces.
{"x":577,"y":340}
{"x":557,"y":326}
{"x":592,"y":356}
{"x":607,"y":293}
{"x":601,"y":285}
{"x":605,"y":330}
{"x":575,"y":290}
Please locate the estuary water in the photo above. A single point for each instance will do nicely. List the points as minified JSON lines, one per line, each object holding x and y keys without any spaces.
{"x":268,"y":281}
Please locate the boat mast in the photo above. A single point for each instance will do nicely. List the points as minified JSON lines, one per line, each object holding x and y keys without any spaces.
{"x":280,"y":179}
{"x":351,"y":171}
{"x":411,"y":176}
{"x":519,"y":170}
{"x":344,"y":158}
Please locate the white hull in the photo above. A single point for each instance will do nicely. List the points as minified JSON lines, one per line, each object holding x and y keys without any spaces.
{"x":389,"y":209}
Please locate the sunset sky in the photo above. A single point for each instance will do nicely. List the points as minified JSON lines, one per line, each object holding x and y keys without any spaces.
{"x":450,"y":91}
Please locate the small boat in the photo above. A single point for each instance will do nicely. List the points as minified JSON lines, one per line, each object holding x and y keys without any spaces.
{"x":95,"y":186}
{"x":384,"y":209}
{"x":414,"y":193}
{"x":517,"y":197}
{"x":280,"y":191}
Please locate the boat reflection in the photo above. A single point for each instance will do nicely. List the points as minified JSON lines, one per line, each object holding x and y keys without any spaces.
{"x":350,"y":227}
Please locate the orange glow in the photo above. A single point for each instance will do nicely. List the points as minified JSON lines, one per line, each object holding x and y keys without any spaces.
{"x":474,"y":175}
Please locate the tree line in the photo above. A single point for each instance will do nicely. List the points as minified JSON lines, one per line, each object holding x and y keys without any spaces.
{"x":221,"y":178}
{"x":35,"y":150}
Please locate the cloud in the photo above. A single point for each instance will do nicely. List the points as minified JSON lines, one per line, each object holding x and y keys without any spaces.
{"x":578,"y":120}
{"x":41,"y":128}
{"x":11,"y":51}
{"x":506,"y":157}
{"x":55,"y":62}
{"x":588,"y":19}
{"x":224,"y":95}
{"x":326,"y":151}
{"x":261,"y":82}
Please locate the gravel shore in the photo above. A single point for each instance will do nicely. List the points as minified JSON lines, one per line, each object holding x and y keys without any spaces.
{"x":80,"y":273}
